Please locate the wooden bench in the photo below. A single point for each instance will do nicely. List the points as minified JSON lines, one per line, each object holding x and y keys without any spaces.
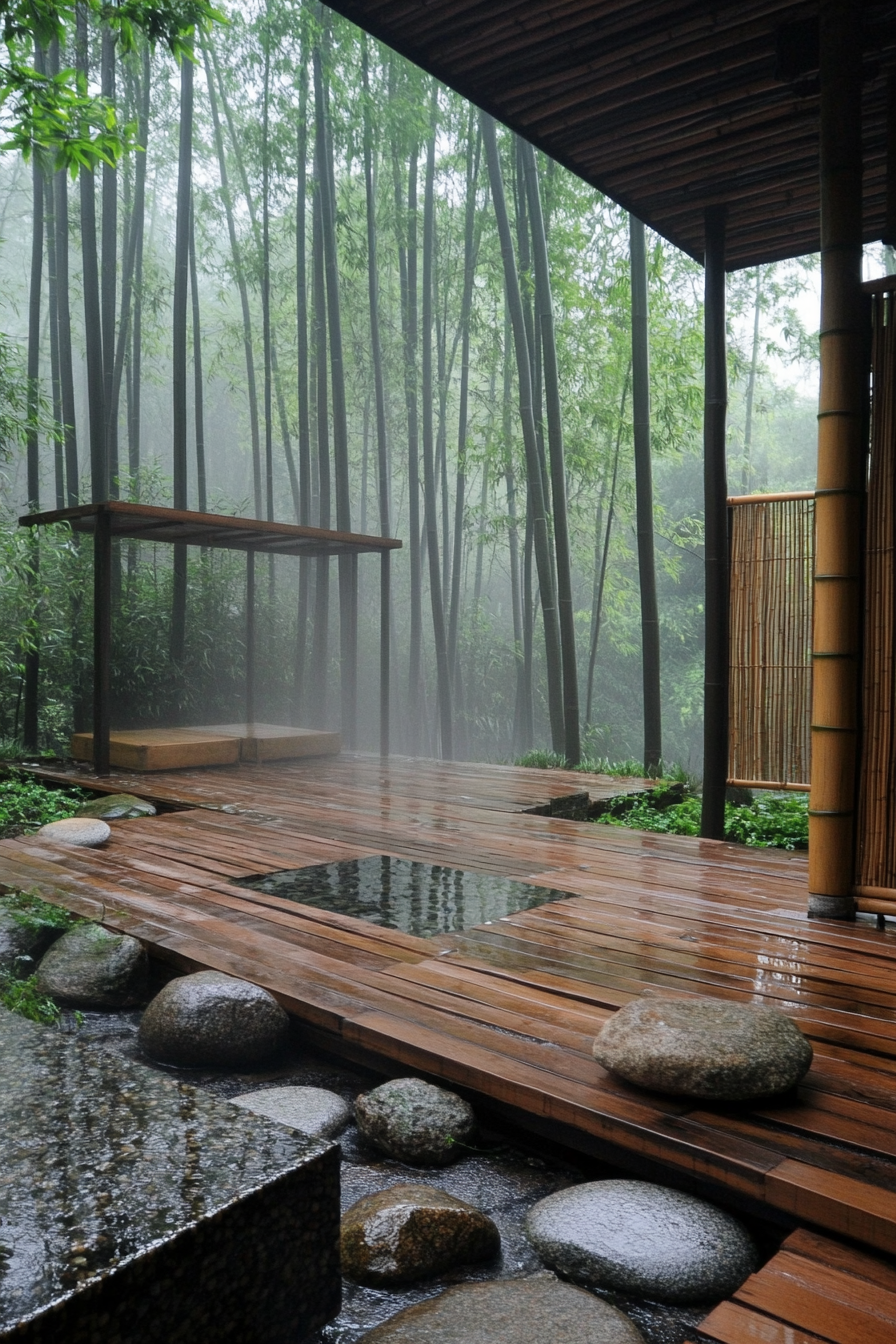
{"x":260,"y":742}
{"x":162,"y":748}
{"x":218,"y":744}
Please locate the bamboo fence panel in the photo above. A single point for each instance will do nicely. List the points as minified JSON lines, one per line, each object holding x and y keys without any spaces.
{"x":876,"y":847}
{"x":772,"y":551}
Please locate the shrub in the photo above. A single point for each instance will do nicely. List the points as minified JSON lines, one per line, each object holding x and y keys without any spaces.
{"x":26,"y":803}
{"x":779,"y":821}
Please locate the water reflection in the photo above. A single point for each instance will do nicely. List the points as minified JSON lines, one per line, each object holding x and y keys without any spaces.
{"x":423,"y":899}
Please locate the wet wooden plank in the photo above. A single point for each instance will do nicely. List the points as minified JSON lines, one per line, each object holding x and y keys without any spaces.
{"x":508,"y":1011}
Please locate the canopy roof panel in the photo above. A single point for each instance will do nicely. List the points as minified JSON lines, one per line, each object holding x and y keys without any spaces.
{"x":667,"y":106}
{"x":149,"y":522}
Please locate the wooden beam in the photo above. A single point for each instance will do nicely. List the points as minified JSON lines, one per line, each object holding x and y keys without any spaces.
{"x":715,"y":493}
{"x":842,"y":449}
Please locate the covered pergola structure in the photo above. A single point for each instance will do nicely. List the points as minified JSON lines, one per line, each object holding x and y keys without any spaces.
{"x":121,"y":520}
{"x":744,"y":133}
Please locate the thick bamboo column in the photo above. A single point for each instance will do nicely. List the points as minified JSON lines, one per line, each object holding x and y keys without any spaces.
{"x":715,"y":495}
{"x":841,"y":468}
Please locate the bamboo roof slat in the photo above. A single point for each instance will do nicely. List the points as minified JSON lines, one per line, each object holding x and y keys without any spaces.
{"x":666,"y":106}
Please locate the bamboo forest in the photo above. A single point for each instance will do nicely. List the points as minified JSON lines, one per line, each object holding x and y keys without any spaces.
{"x":297,"y":279}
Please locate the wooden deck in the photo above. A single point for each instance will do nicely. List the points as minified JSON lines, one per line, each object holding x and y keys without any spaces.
{"x":814,"y":1291}
{"x":508,"y":1011}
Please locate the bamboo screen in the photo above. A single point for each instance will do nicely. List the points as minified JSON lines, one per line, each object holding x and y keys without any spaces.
{"x":769,"y":700}
{"x":876,"y":848}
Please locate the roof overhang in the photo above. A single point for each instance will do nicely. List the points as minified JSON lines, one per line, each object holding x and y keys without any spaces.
{"x":666,"y":106}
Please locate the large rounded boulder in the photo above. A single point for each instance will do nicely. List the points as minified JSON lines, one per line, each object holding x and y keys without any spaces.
{"x":410,"y":1232}
{"x":212,"y":1020}
{"x":642,"y":1239}
{"x":415,"y":1122}
{"x":22,"y":942}
{"x":704,"y":1048}
{"x":537,"y":1310}
{"x":91,"y":967}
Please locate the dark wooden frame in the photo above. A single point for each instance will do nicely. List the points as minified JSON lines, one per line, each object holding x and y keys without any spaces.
{"x":115,"y":518}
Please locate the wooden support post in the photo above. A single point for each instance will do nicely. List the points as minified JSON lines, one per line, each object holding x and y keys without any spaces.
{"x":353,"y":652}
{"x":650,"y":621}
{"x":841,"y":468}
{"x":348,"y":646}
{"x":715,"y":494}
{"x":32,"y":654}
{"x":102,"y":638}
{"x":250,"y":641}
{"x":385,"y":644}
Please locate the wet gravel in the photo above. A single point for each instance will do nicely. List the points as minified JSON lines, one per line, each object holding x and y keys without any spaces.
{"x":499,"y":1176}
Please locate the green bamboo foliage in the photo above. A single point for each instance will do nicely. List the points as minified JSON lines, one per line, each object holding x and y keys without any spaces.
{"x":319,"y":288}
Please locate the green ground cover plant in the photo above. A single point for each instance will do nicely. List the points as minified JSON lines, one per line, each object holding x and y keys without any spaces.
{"x":32,"y":912}
{"x":776,"y":821}
{"x":26,"y":803}
{"x":19,"y":994}
{"x":598,"y":765}
{"x":23,"y":997}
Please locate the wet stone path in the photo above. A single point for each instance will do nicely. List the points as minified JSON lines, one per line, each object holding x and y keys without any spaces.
{"x":499,"y":1177}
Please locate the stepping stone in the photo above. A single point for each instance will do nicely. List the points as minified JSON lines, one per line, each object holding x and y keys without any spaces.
{"x":212,"y":1020}
{"x":410,"y":1232}
{"x":416,"y":1122}
{"x":704,"y":1048}
{"x":91,"y":967}
{"x":313,"y":1110}
{"x":536,"y":1310}
{"x":642,"y":1239}
{"x":82,"y":831}
{"x":116,"y":805}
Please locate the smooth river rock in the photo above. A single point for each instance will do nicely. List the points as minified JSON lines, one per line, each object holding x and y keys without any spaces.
{"x":642,"y":1239}
{"x":537,"y":1310}
{"x":415,"y":1121}
{"x":313,"y":1110}
{"x":22,"y":944}
{"x":410,"y":1232}
{"x":213,"y":1020}
{"x":84,"y":832}
{"x":91,"y":967}
{"x":704,"y":1048}
{"x":116,"y":805}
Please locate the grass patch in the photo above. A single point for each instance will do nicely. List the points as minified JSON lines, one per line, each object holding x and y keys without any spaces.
{"x":32,"y":912}
{"x":24,"y":998}
{"x":26,"y":803}
{"x":775,"y":821}
{"x":19,"y":993}
{"x":602,"y":765}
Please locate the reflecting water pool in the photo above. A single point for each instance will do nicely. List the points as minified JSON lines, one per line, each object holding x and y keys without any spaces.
{"x":424,"y":899}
